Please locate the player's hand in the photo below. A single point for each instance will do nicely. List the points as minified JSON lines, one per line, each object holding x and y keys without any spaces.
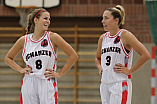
{"x":100,"y":72}
{"x":51,"y":74}
{"x":119,"y":68}
{"x":26,"y":70}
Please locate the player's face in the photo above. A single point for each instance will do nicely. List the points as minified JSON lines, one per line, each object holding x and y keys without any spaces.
{"x":108,"y":21}
{"x":44,"y":20}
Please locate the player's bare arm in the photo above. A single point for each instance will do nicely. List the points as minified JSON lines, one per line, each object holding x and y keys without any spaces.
{"x":59,"y":42}
{"x":98,"y":55}
{"x":130,"y":41}
{"x":12,"y":53}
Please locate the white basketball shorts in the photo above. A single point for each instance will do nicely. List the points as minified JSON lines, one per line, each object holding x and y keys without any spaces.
{"x":116,"y":93}
{"x":39,"y":91}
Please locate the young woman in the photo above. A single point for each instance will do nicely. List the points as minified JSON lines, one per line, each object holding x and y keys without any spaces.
{"x":114,"y":58}
{"x":40,"y":55}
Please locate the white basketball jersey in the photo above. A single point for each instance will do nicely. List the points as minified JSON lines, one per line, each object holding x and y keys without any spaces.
{"x":113,"y":52}
{"x":39,"y":55}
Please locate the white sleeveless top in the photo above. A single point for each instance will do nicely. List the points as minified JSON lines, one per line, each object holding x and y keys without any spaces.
{"x":113,"y":52}
{"x":39,"y":55}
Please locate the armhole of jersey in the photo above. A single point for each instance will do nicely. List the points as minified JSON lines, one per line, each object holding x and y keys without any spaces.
{"x":123,"y":48}
{"x":25,"y":43}
{"x":127,"y":54}
{"x":51,"y":45}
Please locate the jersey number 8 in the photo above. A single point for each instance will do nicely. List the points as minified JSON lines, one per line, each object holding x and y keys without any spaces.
{"x":38,"y":64}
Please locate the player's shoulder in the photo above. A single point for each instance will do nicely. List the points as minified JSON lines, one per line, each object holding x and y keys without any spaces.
{"x":126,"y":33}
{"x":21,"y":39}
{"x":54,"y":35}
{"x":20,"y":42}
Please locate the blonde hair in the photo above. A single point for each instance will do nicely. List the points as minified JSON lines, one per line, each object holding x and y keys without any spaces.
{"x":30,"y":20}
{"x":118,"y":12}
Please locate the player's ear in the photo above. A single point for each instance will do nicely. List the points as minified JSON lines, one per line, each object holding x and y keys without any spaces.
{"x":35,"y":20}
{"x":117,"y":20}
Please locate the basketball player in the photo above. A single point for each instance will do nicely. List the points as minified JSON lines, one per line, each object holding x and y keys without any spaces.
{"x":114,"y":58}
{"x":40,"y":55}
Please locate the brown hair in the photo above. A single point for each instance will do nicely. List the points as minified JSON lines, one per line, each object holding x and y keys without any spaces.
{"x":118,"y":12}
{"x":30,"y":19}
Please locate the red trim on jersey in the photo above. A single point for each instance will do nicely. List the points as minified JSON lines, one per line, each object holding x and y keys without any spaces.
{"x":106,"y":34}
{"x":51,"y":46}
{"x":127,"y":54}
{"x":116,"y":34}
{"x":54,"y":84}
{"x":54,"y":67}
{"x":126,"y":64}
{"x":124,"y":93}
{"x":129,"y":76}
{"x":123,"y":48}
{"x":24,"y":49}
{"x":39,"y":39}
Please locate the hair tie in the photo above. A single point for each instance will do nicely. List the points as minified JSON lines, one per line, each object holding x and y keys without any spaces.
{"x":38,"y":14}
{"x":118,"y":8}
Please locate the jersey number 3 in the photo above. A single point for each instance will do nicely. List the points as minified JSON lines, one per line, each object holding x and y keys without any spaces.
{"x":108,"y":59}
{"x":38,"y":64}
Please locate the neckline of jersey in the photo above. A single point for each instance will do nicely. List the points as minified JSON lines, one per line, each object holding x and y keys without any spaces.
{"x":116,"y":34}
{"x":36,"y":41}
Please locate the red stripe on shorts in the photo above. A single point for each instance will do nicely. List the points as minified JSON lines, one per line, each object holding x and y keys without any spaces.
{"x":56,"y":97}
{"x":124,"y":93}
{"x":21,"y":101}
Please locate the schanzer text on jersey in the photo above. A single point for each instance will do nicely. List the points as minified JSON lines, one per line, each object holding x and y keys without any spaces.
{"x":111,"y":49}
{"x":38,"y":53}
